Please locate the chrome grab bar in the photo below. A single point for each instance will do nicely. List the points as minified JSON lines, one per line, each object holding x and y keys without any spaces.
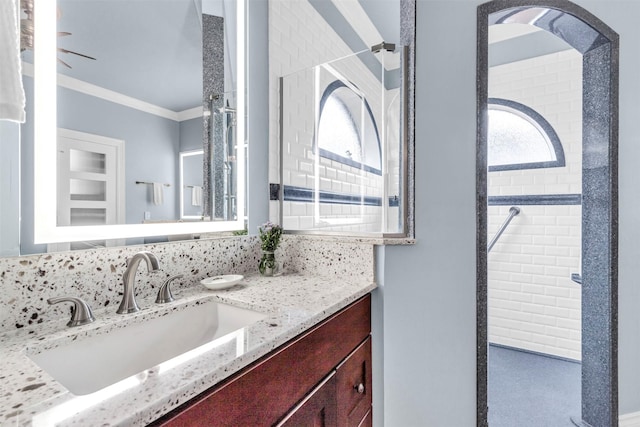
{"x":513,"y":211}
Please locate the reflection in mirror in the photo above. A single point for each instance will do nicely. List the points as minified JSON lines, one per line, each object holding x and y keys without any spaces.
{"x":133,"y":82}
{"x":191,"y":185}
{"x":222,"y":150}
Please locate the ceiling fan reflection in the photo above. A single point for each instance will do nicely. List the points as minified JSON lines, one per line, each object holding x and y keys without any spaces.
{"x":27,"y":29}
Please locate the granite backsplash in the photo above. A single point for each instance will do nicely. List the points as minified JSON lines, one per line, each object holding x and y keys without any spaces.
{"x":95,"y":275}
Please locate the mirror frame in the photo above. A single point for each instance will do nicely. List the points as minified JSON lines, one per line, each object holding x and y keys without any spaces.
{"x":46,"y":229}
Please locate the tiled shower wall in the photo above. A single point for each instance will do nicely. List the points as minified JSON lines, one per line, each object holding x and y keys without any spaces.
{"x":300,"y":38}
{"x":533,"y":304}
{"x":299,"y":107}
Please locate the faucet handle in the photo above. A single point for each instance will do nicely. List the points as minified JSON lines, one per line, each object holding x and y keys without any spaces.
{"x":82,"y":313}
{"x":164,"y":293}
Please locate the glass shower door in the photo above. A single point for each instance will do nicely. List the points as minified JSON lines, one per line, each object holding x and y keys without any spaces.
{"x":341,"y":154}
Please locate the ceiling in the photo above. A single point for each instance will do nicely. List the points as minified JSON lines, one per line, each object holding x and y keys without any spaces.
{"x":149,"y":49}
{"x":502,"y":32}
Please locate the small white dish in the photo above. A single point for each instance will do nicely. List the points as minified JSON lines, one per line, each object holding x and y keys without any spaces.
{"x":224,"y":281}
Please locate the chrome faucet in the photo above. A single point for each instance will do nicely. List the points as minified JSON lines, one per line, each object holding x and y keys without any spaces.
{"x":128,"y":304}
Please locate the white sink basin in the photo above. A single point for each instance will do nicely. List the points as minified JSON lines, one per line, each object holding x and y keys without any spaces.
{"x":90,"y":364}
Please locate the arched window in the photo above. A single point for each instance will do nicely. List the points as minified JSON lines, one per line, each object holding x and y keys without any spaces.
{"x":520,"y":138}
{"x":347,"y":132}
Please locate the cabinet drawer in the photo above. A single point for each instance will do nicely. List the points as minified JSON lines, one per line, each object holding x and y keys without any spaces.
{"x":367,"y":421}
{"x":262,"y":393}
{"x":318,"y":409}
{"x":354,"y":386}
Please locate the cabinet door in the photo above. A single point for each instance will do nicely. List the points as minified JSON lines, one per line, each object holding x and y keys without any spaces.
{"x":261,"y":394}
{"x":318,"y":409}
{"x":354,"y":386}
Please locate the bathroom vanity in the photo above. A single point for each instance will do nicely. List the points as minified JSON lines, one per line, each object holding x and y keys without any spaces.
{"x":320,"y":378}
{"x":308,"y":355}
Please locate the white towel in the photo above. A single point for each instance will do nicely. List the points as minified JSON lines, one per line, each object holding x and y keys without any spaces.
{"x":158,"y":193}
{"x":12,"y":100}
{"x":196,"y":196}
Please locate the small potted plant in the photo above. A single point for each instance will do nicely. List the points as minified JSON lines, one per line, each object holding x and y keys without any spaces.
{"x":270,"y":234}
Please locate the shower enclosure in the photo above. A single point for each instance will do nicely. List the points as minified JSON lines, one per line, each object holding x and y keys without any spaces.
{"x":343,"y":145}
{"x":221,"y":149}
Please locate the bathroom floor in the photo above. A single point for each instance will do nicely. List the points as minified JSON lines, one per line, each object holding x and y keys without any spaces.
{"x":530,"y":390}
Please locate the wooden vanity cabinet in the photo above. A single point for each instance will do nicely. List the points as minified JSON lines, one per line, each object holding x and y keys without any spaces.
{"x":317,"y":409}
{"x":354,"y":386}
{"x":342,"y":399}
{"x":320,"y":378}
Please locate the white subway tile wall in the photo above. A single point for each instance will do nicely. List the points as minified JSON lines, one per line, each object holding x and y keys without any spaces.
{"x":533,"y":304}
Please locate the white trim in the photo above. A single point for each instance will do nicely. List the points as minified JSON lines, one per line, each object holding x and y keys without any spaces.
{"x":192,"y":113}
{"x":629,"y":420}
{"x":118,"y":98}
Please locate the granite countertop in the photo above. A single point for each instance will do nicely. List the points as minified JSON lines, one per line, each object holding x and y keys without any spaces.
{"x":292,"y":303}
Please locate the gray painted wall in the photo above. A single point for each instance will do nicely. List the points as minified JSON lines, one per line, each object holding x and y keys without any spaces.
{"x":621,"y":16}
{"x":429,"y":289}
{"x":9,"y":189}
{"x":191,"y":134}
{"x":156,"y":59}
{"x":429,"y":303}
{"x":151,"y":147}
{"x":386,"y":17}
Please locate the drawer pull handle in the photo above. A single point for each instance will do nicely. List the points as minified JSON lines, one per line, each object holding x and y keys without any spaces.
{"x":359,"y":388}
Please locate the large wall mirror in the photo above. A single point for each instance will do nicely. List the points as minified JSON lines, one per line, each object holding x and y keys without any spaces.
{"x":179,"y":87}
{"x":118,"y":92}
